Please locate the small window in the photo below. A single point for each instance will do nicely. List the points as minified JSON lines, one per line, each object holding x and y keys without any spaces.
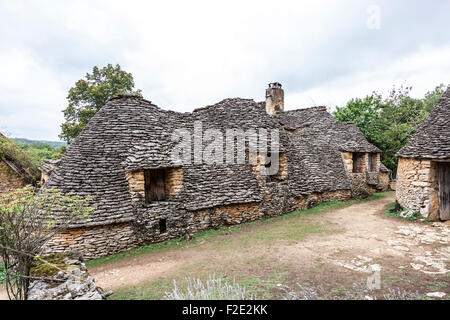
{"x":162,"y":226}
{"x":155,"y":185}
{"x":281,"y":173}
{"x":268,"y":161}
{"x":373,"y":162}
{"x":358,"y":162}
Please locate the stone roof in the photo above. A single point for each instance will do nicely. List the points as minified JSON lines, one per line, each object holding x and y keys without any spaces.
{"x":48,"y":165}
{"x":383,"y":168}
{"x":130,"y":133}
{"x":344,"y":135}
{"x":432,"y":140}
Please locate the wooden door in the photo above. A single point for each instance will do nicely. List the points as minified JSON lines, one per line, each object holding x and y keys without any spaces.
{"x":444,"y":190}
{"x":155,"y":185}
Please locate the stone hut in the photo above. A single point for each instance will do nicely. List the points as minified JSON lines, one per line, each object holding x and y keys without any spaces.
{"x":423,"y":174}
{"x":142,"y":195}
{"x":46,"y":168}
{"x":13,"y":174}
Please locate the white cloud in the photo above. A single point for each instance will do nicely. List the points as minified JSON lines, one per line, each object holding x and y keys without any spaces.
{"x":28,"y":96}
{"x":188,"y":54}
{"x":423,"y":70}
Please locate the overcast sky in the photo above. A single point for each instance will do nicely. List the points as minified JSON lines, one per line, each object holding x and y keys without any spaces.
{"x":189,"y":54}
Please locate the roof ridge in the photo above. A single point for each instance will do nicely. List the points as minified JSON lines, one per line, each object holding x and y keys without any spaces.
{"x":128,"y":96}
{"x":309,"y":108}
{"x":222,"y":102}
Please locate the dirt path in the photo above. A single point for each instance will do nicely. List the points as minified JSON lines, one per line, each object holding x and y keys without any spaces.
{"x":355,"y":238}
{"x":364,"y":234}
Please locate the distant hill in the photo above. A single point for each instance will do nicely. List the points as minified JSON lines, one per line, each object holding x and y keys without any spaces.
{"x":53,"y":144}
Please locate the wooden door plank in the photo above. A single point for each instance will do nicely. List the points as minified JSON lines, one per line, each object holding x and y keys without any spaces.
{"x":444,"y":190}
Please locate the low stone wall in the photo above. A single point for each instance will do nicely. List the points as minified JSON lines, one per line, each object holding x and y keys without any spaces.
{"x":416,"y":186}
{"x":150,"y":218}
{"x":94,"y":242}
{"x":9,"y":180}
{"x":383,"y":181}
{"x":238,"y":213}
{"x":360,"y":188}
{"x":309,"y":201}
{"x":72,"y":283}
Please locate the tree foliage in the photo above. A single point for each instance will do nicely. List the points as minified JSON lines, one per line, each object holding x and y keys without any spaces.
{"x":90,"y":94}
{"x":389,"y":122}
{"x":29,"y":218}
{"x":38,"y":151}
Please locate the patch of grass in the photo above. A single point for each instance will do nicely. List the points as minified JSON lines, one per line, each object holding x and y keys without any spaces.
{"x":295,"y":232}
{"x":340,"y":291}
{"x":399,"y":214}
{"x":147,"y":291}
{"x":179,"y":242}
{"x":394,"y":280}
{"x":437,"y":286}
{"x":262,"y":287}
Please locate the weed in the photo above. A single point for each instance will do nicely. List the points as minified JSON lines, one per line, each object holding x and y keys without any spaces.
{"x":407,"y":214}
{"x":212,"y":289}
{"x":399,"y":294}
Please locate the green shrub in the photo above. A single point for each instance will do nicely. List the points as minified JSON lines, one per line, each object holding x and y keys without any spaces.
{"x":2,"y":273}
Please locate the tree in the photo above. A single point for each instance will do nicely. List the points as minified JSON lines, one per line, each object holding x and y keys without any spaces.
{"x":389,"y":122}
{"x":365,"y":114}
{"x":90,"y":94}
{"x":29,"y":218}
{"x":432,"y":97}
{"x":39,"y":151}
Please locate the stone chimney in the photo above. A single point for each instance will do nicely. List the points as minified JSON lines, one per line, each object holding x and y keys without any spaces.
{"x":274,"y":99}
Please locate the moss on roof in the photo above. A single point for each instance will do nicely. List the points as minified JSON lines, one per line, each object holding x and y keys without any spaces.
{"x":18,"y":160}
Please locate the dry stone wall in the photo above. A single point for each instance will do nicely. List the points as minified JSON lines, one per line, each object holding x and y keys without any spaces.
{"x":94,"y":242}
{"x":130,"y":135}
{"x":383,"y":181}
{"x":174,"y":182}
{"x":9,"y":180}
{"x":364,"y":183}
{"x":172,"y":186}
{"x":164,"y":220}
{"x":73,"y":282}
{"x":416,"y":186}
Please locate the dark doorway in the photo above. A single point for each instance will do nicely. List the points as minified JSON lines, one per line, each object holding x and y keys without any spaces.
{"x":162,"y":225}
{"x":155,"y":185}
{"x":443,"y":173}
